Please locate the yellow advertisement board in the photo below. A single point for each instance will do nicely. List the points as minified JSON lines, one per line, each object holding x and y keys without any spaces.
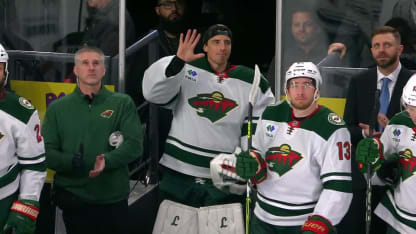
{"x":41,"y":94}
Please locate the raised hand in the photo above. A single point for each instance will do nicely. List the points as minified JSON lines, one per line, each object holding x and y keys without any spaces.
{"x":187,"y":46}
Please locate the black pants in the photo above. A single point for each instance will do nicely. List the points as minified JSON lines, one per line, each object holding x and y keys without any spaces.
{"x":81,"y":217}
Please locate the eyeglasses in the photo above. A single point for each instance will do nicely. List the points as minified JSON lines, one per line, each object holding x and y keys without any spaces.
{"x":170,"y":4}
{"x":296,"y":85}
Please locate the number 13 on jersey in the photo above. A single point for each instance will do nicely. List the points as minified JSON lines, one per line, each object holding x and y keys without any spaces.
{"x":344,"y":150}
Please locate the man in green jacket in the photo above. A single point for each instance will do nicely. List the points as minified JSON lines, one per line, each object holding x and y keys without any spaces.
{"x":90,"y":137}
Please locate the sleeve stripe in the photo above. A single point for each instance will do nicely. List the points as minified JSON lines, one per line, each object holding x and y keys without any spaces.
{"x":346,"y":174}
{"x":340,"y":186}
{"x":36,"y":160}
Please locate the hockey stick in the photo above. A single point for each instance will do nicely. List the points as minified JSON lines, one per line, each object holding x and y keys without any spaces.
{"x":251,"y":102}
{"x":373,"y":120}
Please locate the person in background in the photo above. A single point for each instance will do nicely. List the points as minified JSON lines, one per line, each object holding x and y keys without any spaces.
{"x":310,"y":43}
{"x":396,"y":146}
{"x":102,"y":26}
{"x":389,"y":76}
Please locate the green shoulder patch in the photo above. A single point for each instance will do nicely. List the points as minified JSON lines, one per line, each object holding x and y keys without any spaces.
{"x":26,"y":104}
{"x":335,"y":119}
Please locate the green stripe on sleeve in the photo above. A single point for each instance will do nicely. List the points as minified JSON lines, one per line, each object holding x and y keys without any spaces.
{"x":339,"y":185}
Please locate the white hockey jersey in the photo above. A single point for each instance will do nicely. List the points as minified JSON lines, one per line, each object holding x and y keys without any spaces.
{"x":398,"y":207}
{"x":209,"y":111}
{"x":21,"y":148}
{"x":308,"y":166}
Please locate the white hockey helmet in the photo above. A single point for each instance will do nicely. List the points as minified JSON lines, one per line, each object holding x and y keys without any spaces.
{"x":4,"y":58}
{"x":304,"y":69}
{"x":409,"y":92}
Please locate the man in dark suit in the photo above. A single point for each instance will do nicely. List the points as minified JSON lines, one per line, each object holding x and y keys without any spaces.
{"x":386,"y":49}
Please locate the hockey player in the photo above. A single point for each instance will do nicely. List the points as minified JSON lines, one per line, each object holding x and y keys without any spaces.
{"x":22,"y":160}
{"x":398,"y":207}
{"x":301,"y":162}
{"x":209,"y":99}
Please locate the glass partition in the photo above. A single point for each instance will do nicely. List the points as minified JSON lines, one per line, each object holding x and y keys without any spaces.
{"x":309,"y":28}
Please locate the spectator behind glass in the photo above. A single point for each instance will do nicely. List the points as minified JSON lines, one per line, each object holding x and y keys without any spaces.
{"x":172,"y":19}
{"x":308,"y":43}
{"x":102,"y":26}
{"x":406,"y":9}
{"x":171,"y":23}
{"x":101,"y":31}
{"x":408,"y":56}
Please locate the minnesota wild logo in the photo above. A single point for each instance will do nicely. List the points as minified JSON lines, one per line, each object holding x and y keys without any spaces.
{"x":213,"y":106}
{"x":282,"y":159}
{"x":107,"y":114}
{"x":407,"y":164}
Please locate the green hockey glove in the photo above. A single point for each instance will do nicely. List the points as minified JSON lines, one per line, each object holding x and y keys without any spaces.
{"x":369,"y":151}
{"x":317,"y":224}
{"x":251,"y":166}
{"x":246,"y":166}
{"x":22,"y":217}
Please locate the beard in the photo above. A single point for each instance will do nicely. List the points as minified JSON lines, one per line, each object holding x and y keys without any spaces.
{"x":388,"y":62}
{"x":174,"y":26}
{"x":301,"y":106}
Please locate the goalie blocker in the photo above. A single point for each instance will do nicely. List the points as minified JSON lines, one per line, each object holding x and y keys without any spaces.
{"x":174,"y":218}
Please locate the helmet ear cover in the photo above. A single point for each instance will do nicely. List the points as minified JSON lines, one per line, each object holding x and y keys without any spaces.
{"x":4,"y":58}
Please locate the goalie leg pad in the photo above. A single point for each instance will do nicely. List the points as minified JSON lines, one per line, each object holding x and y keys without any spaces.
{"x":175,"y":218}
{"x":221,"y":219}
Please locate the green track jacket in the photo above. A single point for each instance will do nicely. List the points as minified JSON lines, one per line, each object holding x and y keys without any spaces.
{"x":74,"y":122}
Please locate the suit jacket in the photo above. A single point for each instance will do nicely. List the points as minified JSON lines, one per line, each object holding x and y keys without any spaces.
{"x":359,"y":105}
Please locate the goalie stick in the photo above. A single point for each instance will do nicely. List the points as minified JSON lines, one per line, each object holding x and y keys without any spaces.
{"x":251,"y":102}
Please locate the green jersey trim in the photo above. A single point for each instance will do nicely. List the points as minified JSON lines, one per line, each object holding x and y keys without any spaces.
{"x":207,"y":151}
{"x":11,"y":105}
{"x":339,"y":185}
{"x":313,"y":123}
{"x":10,"y":176}
{"x":387,"y":202}
{"x":402,"y":118}
{"x":277,"y":211}
{"x":189,"y":154}
{"x":240,"y":72}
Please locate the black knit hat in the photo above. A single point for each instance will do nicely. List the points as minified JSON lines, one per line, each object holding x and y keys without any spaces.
{"x":217,"y":29}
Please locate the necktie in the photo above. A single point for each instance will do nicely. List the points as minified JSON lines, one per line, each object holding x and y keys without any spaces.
{"x":384,"y":98}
